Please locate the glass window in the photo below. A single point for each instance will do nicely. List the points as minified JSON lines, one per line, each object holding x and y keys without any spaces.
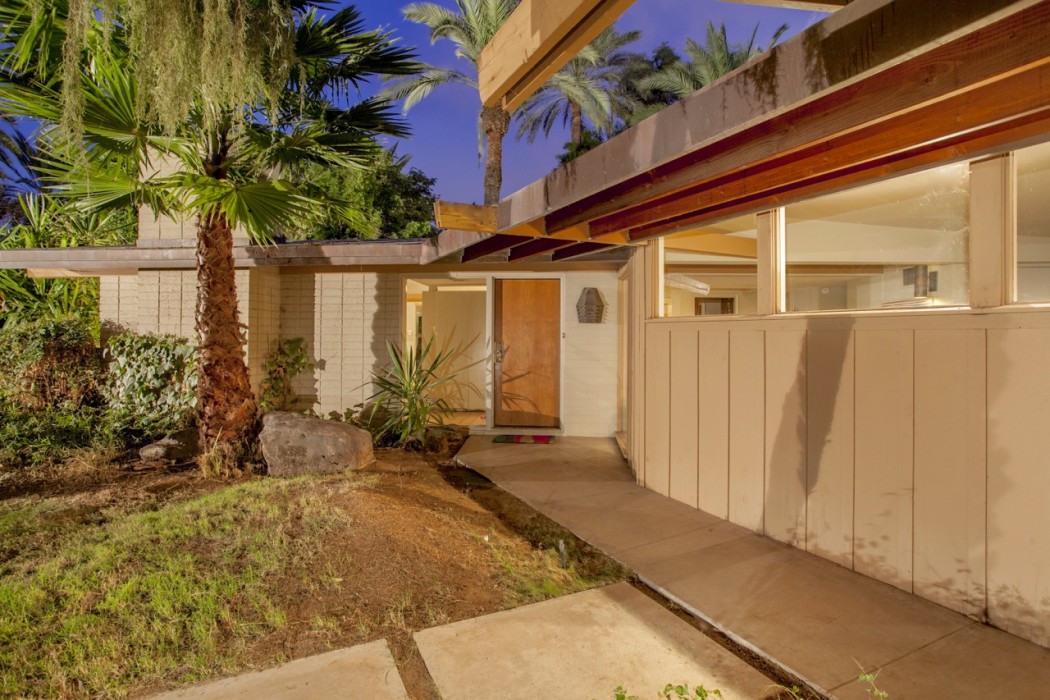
{"x":711,"y":270}
{"x":1033,"y":223}
{"x":896,"y":243}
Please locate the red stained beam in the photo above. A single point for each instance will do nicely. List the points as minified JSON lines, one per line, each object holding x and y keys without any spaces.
{"x":490,"y":245}
{"x":537,"y":246}
{"x":578,"y":249}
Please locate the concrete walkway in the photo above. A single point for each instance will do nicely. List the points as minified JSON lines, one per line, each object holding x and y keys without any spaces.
{"x":581,"y":647}
{"x":364,"y":672}
{"x":818,"y":620}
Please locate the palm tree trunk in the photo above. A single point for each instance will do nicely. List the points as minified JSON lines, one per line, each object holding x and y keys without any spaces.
{"x":494,"y":122}
{"x":575,"y":124}
{"x":225,"y":404}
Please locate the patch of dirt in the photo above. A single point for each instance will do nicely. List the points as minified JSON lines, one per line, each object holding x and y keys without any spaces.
{"x":410,"y":551}
{"x":537,"y":529}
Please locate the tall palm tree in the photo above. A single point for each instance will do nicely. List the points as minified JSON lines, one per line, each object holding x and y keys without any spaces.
{"x":587,"y":86}
{"x":231,"y":142}
{"x":707,"y":63}
{"x":470,"y":29}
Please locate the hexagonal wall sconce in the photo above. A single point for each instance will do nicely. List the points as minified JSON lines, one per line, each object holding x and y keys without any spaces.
{"x":591,"y":306}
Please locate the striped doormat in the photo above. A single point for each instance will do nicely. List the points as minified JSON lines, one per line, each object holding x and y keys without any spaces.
{"x":525,"y":439}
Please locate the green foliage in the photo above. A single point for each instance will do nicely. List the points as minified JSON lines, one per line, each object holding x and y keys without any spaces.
{"x":285,"y":363}
{"x":50,"y":380}
{"x":151,"y":384}
{"x":590,"y":139}
{"x":405,"y":393}
{"x":47,"y":222}
{"x":49,"y":364}
{"x":33,"y":438}
{"x":389,"y":201}
{"x":674,"y":691}
{"x":175,"y":594}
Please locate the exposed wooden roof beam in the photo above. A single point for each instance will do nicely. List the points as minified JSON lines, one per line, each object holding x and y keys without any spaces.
{"x":576,"y":250}
{"x":465,"y":217}
{"x":491,"y":245}
{"x":537,"y":39}
{"x":537,"y":246}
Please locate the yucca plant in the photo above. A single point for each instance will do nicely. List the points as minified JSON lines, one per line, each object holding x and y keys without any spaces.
{"x":406,"y":394}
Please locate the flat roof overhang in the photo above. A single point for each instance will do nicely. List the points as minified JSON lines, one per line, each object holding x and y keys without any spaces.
{"x":879,"y":87}
{"x":452,"y":247}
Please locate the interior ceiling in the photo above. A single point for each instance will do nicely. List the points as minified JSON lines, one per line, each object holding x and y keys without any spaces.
{"x":418,"y":285}
{"x":932,"y":199}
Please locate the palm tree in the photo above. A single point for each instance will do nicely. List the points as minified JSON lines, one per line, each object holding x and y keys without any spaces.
{"x":707,"y":63}
{"x":470,"y":29}
{"x":587,"y":86}
{"x":233,"y":116}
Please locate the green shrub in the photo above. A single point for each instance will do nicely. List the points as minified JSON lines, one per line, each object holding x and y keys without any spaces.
{"x":37,"y":437}
{"x":282,"y":366}
{"x":151,"y":385}
{"x":49,"y":364}
{"x":405,"y":395}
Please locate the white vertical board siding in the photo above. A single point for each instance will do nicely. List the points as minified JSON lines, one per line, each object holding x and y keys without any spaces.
{"x":1019,"y":481}
{"x":746,"y":428}
{"x":830,"y":444}
{"x":950,"y":468}
{"x":923,"y":437}
{"x":589,"y":358}
{"x":713,"y":393}
{"x":685,"y":416}
{"x":658,"y":381}
{"x":785,"y":417}
{"x":882,"y":541}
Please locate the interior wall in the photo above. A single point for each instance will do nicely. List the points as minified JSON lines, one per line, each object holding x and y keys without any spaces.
{"x":909,"y":447}
{"x":455,"y":321}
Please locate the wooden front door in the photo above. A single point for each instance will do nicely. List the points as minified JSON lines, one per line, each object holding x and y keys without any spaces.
{"x":527,"y":334}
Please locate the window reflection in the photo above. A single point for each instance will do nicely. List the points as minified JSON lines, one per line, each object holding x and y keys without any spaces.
{"x":711,"y":270}
{"x":897,"y":243}
{"x":1033,"y":223}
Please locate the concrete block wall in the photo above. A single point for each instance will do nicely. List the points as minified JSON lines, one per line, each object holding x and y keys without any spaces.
{"x":263,"y":316}
{"x":166,"y":300}
{"x":346,"y":320}
{"x":589,"y":359}
{"x":164,"y":228}
{"x":118,"y":303}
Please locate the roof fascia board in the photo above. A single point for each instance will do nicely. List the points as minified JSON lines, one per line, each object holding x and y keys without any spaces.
{"x":819,"y":5}
{"x":826,"y":58}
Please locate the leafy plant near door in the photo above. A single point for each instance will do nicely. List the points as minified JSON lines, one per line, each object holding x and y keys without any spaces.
{"x":405,"y":393}
{"x":284,"y":364}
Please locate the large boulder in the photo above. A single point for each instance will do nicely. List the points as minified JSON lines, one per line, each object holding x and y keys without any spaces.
{"x":294,"y":444}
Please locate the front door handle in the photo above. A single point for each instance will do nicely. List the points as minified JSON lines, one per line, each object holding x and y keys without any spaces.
{"x":499,"y":353}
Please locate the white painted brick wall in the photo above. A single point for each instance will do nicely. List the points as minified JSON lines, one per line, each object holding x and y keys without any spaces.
{"x":590,"y":349}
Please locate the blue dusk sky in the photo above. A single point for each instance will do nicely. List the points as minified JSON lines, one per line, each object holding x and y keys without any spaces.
{"x":444,"y":142}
